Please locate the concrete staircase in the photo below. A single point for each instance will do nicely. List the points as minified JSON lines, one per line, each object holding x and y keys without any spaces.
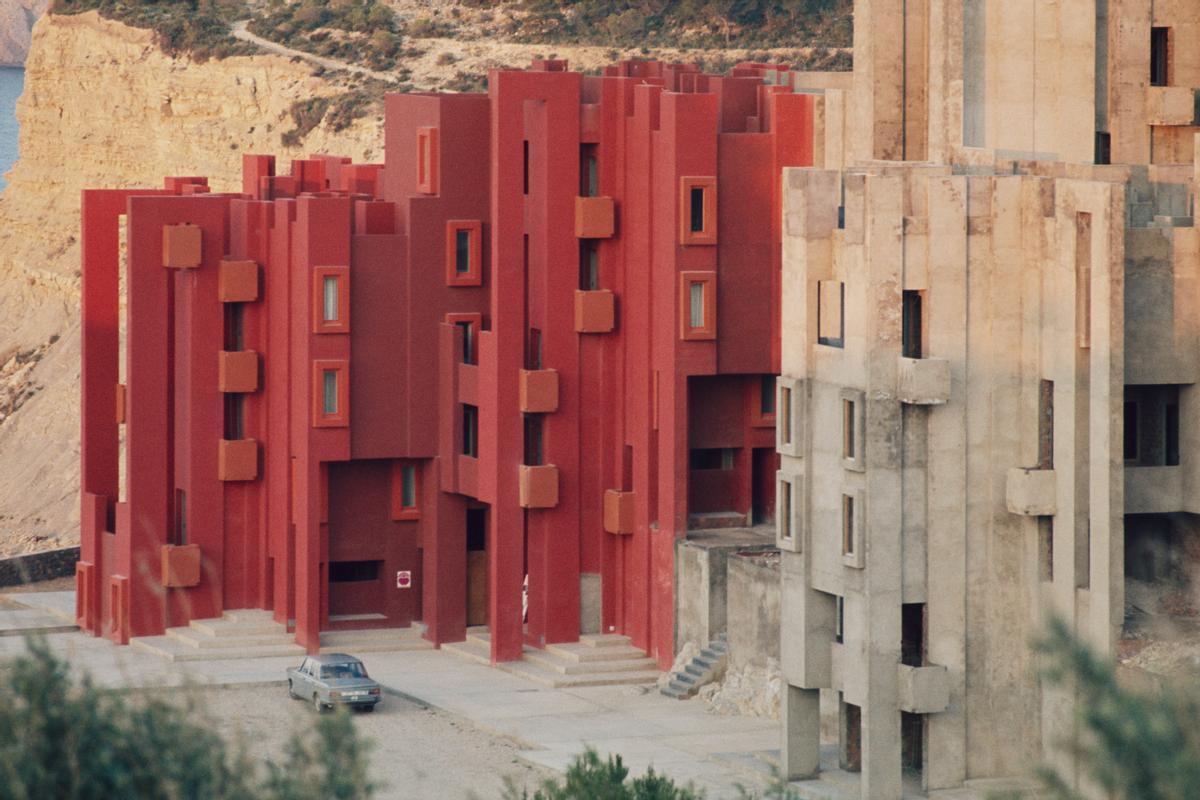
{"x":375,"y":640}
{"x":246,"y":633}
{"x":705,"y":667}
{"x":595,"y":660}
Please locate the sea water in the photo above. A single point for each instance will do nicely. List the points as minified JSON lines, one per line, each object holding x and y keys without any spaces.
{"x":11,"y":83}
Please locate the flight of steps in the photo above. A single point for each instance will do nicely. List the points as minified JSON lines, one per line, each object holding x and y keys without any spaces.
{"x":595,"y":660}
{"x":245,"y":633}
{"x":706,"y":667}
{"x":375,"y":640}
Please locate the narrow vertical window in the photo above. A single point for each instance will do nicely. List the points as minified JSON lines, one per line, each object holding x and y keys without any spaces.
{"x":180,"y":517}
{"x":785,"y":414}
{"x":1083,"y":279}
{"x":1046,"y":425}
{"x":696,"y":305}
{"x":533,"y":358}
{"x":831,"y":305}
{"x":235,"y":335}
{"x":533,"y":440}
{"x":766,"y":395}
{"x":589,"y":171}
{"x":1171,"y":435}
{"x":468,"y":334}
{"x":839,"y":634}
{"x":1131,"y":430}
{"x":1160,"y":56}
{"x":408,"y":486}
{"x":470,"y":432}
{"x":235,"y":416}
{"x":785,"y":509}
{"x":848,"y":414}
{"x":329,"y":388}
{"x":1046,"y":548}
{"x":912,"y":324}
{"x":329,"y":311}
{"x":462,"y":251}
{"x":589,"y":265}
{"x":697,"y":209}
{"x":847,"y":525}
{"x":525,"y":167}
{"x":1103,"y":147}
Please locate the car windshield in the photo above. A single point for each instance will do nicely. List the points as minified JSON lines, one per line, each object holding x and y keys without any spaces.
{"x":351,"y":669}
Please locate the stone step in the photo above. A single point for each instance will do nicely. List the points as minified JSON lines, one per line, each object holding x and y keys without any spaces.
{"x":554,"y":663}
{"x":174,"y":650}
{"x":586,"y":653}
{"x":229,"y":628}
{"x":556,"y":680}
{"x":713,"y":654}
{"x":472,"y":650}
{"x":604,"y":640}
{"x":375,"y":640}
{"x":197,"y":639}
{"x":696,"y":670}
{"x":249,"y":615}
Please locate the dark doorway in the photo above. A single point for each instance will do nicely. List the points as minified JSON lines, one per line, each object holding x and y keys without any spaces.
{"x":912,"y":634}
{"x":765,"y":465}
{"x":355,"y":588}
{"x":850,"y":751}
{"x":477,"y":567}
{"x":912,"y":741}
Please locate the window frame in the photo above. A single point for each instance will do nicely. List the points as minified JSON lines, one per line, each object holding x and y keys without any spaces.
{"x":475,"y":322}
{"x":790,"y":414}
{"x":767,"y":385}
{"x":341,"y":417}
{"x":856,"y":461}
{"x":789,"y":485}
{"x":342,"y":324}
{"x":851,"y":532}
{"x":470,"y":443}
{"x":400,"y":511}
{"x":708,"y":330}
{"x":838,"y":341}
{"x":707,"y":235}
{"x":474,"y":274}
{"x":427,"y":159}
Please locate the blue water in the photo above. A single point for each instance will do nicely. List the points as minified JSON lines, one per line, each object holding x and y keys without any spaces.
{"x":11,"y":83}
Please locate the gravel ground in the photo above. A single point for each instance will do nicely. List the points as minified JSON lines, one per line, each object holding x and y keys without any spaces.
{"x":417,"y":752}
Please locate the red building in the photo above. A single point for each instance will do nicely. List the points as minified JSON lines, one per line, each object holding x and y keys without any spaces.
{"x":530,"y":347}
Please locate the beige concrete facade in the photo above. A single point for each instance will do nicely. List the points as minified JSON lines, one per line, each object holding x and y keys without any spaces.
{"x":987,"y":404}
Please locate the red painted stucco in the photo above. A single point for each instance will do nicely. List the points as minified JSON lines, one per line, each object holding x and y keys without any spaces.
{"x":322,"y":529}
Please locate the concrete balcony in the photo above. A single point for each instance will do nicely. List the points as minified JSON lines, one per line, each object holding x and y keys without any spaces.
{"x":922,"y":690}
{"x":1032,"y":492}
{"x":1153,"y":490}
{"x":1171,"y":105}
{"x":237,"y":460}
{"x":618,"y":511}
{"x":539,"y":486}
{"x":538,"y":391}
{"x":595,"y":217}
{"x":595,"y":311}
{"x":923,"y":381}
{"x":180,"y":565}
{"x":237,"y":282}
{"x":237,"y":371}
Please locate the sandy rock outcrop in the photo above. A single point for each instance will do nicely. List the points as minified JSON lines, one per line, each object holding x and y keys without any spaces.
{"x":104,"y":107}
{"x":16,"y":26}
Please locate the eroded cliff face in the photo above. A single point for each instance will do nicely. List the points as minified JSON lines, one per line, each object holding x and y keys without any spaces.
{"x":104,"y":108}
{"x":16,"y":25}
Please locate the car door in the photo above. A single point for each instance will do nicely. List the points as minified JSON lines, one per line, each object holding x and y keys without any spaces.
{"x":305,"y":677}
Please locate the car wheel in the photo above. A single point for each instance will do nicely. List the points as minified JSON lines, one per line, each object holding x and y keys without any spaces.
{"x":291,"y":689}
{"x":317,"y":703}
{"x":369,"y":708}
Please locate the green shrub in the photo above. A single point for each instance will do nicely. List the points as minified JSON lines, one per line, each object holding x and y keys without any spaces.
{"x":68,"y":740}
{"x":361,"y":32}
{"x":197,"y":28}
{"x":589,"y":778}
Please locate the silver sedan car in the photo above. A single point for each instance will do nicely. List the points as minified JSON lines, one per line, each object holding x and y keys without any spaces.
{"x":334,"y":679}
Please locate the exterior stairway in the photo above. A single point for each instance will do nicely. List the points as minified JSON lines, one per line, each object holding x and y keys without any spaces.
{"x":595,"y":660}
{"x":246,"y":633}
{"x":706,"y":667}
{"x":375,"y":640}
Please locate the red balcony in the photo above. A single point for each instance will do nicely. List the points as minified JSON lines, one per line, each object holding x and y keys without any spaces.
{"x":539,"y":391}
{"x":539,"y":486}
{"x":237,"y":282}
{"x":237,"y":371}
{"x":181,"y":246}
{"x":237,"y":460}
{"x":618,"y":511}
{"x":180,"y":565}
{"x":595,"y":311}
{"x":594,"y":217}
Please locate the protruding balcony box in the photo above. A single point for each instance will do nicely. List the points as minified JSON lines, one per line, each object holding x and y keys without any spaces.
{"x":539,"y":486}
{"x":181,"y":246}
{"x":923,"y":690}
{"x":594,"y":217}
{"x":539,"y":391}
{"x":237,"y":371}
{"x":1171,"y":105}
{"x":120,"y":403}
{"x":924,"y":381}
{"x":180,"y":565}
{"x":237,"y":460}
{"x":618,"y":511}
{"x":595,"y":311}
{"x":1032,"y":492}
{"x":237,"y":282}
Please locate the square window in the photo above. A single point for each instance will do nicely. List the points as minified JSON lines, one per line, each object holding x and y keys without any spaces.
{"x":698,"y":211}
{"x":464,"y":252}
{"x":331,"y":393}
{"x":698,"y":305}
{"x":331,"y":300}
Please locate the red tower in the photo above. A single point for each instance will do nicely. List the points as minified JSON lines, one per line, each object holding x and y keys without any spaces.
{"x":532,"y":348}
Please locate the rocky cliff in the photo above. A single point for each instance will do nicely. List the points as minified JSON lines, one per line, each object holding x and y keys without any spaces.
{"x":103,"y":107}
{"x":16,"y":24}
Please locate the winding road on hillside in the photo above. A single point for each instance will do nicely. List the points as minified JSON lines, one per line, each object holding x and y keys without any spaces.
{"x":240,"y":31}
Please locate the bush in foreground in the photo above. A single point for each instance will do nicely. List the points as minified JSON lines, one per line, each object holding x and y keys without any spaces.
{"x":68,"y":740}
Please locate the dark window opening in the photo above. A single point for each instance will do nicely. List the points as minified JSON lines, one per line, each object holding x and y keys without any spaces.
{"x":353,"y":571}
{"x":533,"y":357}
{"x":468,"y":329}
{"x":766,"y":395}
{"x":841,"y":217}
{"x":235,"y":416}
{"x":1160,"y":56}
{"x":533,"y":440}
{"x":912,"y":634}
{"x":850,"y":751}
{"x":180,"y":533}
{"x":525,"y":167}
{"x":847,"y":525}
{"x":912,"y":741}
{"x":839,"y":634}
{"x":235,"y":336}
{"x":476,"y":529}
{"x":1103,"y":147}
{"x":1131,"y":431}
{"x":1046,"y":548}
{"x":470,"y":424}
{"x":1171,"y":435}
{"x":712,"y":458}
{"x":849,"y":412}
{"x":589,"y":265}
{"x":697,"y":209}
{"x":1046,"y":425}
{"x":912,"y":324}
{"x":589,"y":171}
{"x":462,"y":251}
{"x":827,"y":316}
{"x":408,"y":486}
